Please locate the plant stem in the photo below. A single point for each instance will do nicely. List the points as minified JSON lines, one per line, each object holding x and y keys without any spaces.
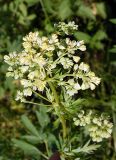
{"x":42,"y":96}
{"x":44,"y":10}
{"x":43,"y":155}
{"x":54,"y":92}
{"x":63,"y":121}
{"x":35,"y":103}
{"x":46,"y":145}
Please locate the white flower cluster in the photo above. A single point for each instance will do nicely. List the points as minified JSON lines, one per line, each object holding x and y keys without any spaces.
{"x":42,"y":58}
{"x":66,"y":28}
{"x":98,"y":127}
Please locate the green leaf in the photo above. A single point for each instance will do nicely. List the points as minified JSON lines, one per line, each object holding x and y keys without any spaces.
{"x":86,"y":148}
{"x":101,"y":10}
{"x":78,"y":102}
{"x":99,"y":35}
{"x":113,"y":20}
{"x":31,"y":2}
{"x":49,"y":6}
{"x":64,"y":10}
{"x":28,"y":124}
{"x":113,"y":50}
{"x":32,"y":139}
{"x":85,"y":12}
{"x":42,"y":117}
{"x":48,"y":27}
{"x":23,"y":9}
{"x":27,"y":148}
{"x":31,"y":17}
{"x":82,"y":36}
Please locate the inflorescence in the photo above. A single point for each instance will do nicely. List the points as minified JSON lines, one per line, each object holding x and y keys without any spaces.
{"x":55,"y":59}
{"x":98,"y":127}
{"x":52,"y":58}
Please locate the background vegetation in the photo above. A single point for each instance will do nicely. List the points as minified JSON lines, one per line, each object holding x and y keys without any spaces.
{"x":96,"y":19}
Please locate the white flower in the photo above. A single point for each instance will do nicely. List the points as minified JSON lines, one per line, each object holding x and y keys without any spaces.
{"x":31,"y":37}
{"x":95,"y":80}
{"x":10,"y":69}
{"x":39,"y":84}
{"x":85,"y":85}
{"x":39,"y":60}
{"x":66,"y":62}
{"x":92,"y":86}
{"x":76,"y":67}
{"x":27,"y":92}
{"x":61,"y":47}
{"x":24,"y":69}
{"x":77,"y":86}
{"x":31,"y":75}
{"x":82,"y":48}
{"x":6,"y":58}
{"x":26,"y":83}
{"x":84,"y":67}
{"x":71,"y":82}
{"x":71,"y":92}
{"x":53,"y":39}
{"x":20,"y":96}
{"x":77,"y":122}
{"x":76,"y":58}
{"x":80,"y":45}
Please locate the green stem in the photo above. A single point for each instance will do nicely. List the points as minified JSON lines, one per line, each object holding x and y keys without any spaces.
{"x":54,"y":92}
{"x":35,"y":103}
{"x":63,"y":121}
{"x":42,"y":96}
{"x":46,"y":145}
{"x":43,"y":155}
{"x":44,"y":10}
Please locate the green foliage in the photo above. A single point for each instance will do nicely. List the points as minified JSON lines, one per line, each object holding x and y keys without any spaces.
{"x":29,"y":125}
{"x":85,"y":12}
{"x":86,"y":148}
{"x":101,"y":10}
{"x":64,"y":10}
{"x":113,"y":20}
{"x":27,"y":148}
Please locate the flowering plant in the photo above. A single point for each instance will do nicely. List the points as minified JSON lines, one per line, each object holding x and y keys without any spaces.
{"x":51,"y":68}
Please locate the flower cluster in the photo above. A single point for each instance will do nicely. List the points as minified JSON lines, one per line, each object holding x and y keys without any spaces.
{"x":98,"y":127}
{"x":66,"y":28}
{"x":54,"y":58}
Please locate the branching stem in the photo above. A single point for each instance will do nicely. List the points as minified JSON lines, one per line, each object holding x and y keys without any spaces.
{"x":63,"y":121}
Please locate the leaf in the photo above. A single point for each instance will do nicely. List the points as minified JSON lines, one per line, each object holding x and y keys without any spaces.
{"x":100,"y":35}
{"x":42,"y":117}
{"x":48,"y":27}
{"x":23,"y":9}
{"x":29,"y":125}
{"x":85,"y":12}
{"x":31,"y":17}
{"x":86,"y":148}
{"x":82,"y":36}
{"x":32,"y":139}
{"x":27,"y":148}
{"x":64,"y":10}
{"x":113,"y":50}
{"x":31,"y":2}
{"x":78,"y":102}
{"x":113,"y":20}
{"x":101,"y":10}
{"x":49,"y":6}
